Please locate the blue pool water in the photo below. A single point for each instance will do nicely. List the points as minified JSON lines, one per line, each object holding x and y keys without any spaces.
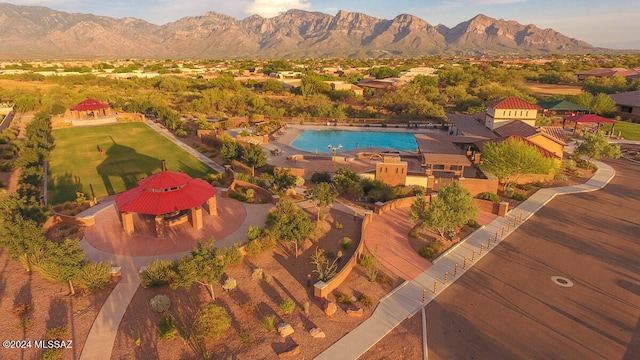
{"x":319,"y":140}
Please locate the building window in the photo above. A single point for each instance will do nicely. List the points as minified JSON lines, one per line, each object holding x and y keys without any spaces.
{"x":396,"y":170}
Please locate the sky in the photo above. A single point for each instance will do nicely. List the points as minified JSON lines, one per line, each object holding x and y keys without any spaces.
{"x":597,"y":22}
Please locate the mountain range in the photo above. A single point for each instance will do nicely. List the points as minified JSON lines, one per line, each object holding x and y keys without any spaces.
{"x":29,"y":32}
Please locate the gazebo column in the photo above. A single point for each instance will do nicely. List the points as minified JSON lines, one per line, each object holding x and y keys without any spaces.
{"x":212,"y":204}
{"x":127,"y":222}
{"x":196,"y":217}
{"x":161,"y":227}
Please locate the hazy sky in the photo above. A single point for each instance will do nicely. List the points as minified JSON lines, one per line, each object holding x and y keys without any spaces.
{"x":593,"y":21}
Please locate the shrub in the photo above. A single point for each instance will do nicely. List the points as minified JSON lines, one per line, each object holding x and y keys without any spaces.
{"x":430,"y":251}
{"x":267,"y":278}
{"x":415,"y":232}
{"x":52,"y":354}
{"x":321,"y":177}
{"x":257,"y":273}
{"x":160,"y":303}
{"x":167,"y":328}
{"x":230,"y":284}
{"x":57,"y":333}
{"x":245,"y":336}
{"x":493,"y":197}
{"x":346,"y":243}
{"x":306,"y":307}
{"x":287,"y":306}
{"x":473,"y":223}
{"x":158,"y":273}
{"x":212,"y":321}
{"x":248,"y":307}
{"x":232,"y":254}
{"x":385,"y":280}
{"x":269,"y":323}
{"x":238,"y":196}
{"x":560,"y":177}
{"x":519,"y":197}
{"x":525,"y":187}
{"x":94,"y":276}
{"x":338,"y":225}
{"x":370,"y":263}
{"x":365,"y":300}
{"x":402,"y":191}
{"x":253,"y":248}
{"x":418,"y":190}
{"x":267,"y":242}
{"x":6,"y":165}
{"x":343,"y":298}
{"x":254,"y":232}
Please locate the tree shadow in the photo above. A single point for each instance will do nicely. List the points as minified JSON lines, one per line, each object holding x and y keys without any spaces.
{"x":124,"y":163}
{"x":58,"y":313}
{"x":63,"y":188}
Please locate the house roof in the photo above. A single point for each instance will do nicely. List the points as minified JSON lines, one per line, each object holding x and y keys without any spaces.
{"x":631,"y":98}
{"x":555,"y":133}
{"x":546,"y":153}
{"x":90,"y":104}
{"x":589,"y":118}
{"x":470,"y":125}
{"x":163,"y":193}
{"x":512,"y":102}
{"x":449,"y":159}
{"x":516,"y":127}
{"x":562,"y":105}
{"x":605,"y":72}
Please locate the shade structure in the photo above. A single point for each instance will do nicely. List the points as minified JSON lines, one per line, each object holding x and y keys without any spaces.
{"x":589,"y":118}
{"x":90,"y":104}
{"x":164,"y":193}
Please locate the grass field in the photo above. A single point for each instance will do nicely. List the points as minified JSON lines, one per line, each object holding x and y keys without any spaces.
{"x":131,"y":151}
{"x":16,"y":84}
{"x":628,"y":130}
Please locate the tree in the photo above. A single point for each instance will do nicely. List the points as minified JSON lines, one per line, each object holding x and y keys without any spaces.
{"x":254,"y":156}
{"x":595,"y":146}
{"x":230,"y":149}
{"x":204,"y":266}
{"x":419,"y":209}
{"x":513,"y":158}
{"x":451,"y":209}
{"x":348,"y":182}
{"x":320,"y":196}
{"x":63,"y":261}
{"x":282,"y":180}
{"x":273,"y":85}
{"x":22,"y":238}
{"x":603,"y":104}
{"x":290,"y":224}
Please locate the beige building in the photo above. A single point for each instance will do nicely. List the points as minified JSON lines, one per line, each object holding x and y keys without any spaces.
{"x":501,"y":112}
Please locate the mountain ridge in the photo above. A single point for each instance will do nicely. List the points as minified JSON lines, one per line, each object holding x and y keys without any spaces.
{"x":41,"y":32}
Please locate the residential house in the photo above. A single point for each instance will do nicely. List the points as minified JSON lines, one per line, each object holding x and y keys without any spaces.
{"x":504,"y":111}
{"x":627,"y":104}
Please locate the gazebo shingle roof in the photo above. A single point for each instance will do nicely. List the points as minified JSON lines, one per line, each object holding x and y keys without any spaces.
{"x":90,"y":104}
{"x":512,"y":102}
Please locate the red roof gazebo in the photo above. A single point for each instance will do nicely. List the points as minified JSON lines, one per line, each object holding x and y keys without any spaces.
{"x":589,"y":118}
{"x":90,"y":108}
{"x":169,"y":196}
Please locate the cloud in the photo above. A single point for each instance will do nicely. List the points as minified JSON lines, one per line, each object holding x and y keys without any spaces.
{"x":271,"y":8}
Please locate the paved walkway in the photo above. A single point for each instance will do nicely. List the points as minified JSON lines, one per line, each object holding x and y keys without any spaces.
{"x":406,"y":300}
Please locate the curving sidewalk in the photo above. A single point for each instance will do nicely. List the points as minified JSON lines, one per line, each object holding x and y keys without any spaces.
{"x":406,"y":300}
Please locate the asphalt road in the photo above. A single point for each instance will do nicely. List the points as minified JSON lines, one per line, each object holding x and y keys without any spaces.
{"x":508,"y":307}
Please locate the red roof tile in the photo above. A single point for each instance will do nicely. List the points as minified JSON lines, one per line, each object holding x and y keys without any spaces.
{"x":163,"y":193}
{"x":90,"y":104}
{"x":589,"y":118}
{"x":512,"y":102}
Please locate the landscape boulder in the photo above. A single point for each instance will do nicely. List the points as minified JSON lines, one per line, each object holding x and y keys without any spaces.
{"x":293,"y":351}
{"x":285,"y":329}
{"x":317,"y":333}
{"x":330,"y":308}
{"x":355,"y":312}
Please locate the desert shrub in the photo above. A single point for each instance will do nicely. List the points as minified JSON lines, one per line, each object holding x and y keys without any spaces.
{"x":94,"y":276}
{"x":212,"y":321}
{"x":160,"y":303}
{"x":385,"y":280}
{"x":343,"y":298}
{"x":338,"y":225}
{"x":287,"y":306}
{"x":254,"y":232}
{"x":419,"y":190}
{"x":257,"y":273}
{"x":167,"y":328}
{"x":52,"y":354}
{"x":6,"y":165}
{"x":232,"y":254}
{"x":508,"y":192}
{"x":248,"y":307}
{"x":245,"y":336}
{"x":57,"y":333}
{"x":238,"y":196}
{"x":430,"y":251}
{"x":415,"y":232}
{"x":253,"y":248}
{"x":269,"y":323}
{"x":321,"y":177}
{"x":230,"y":284}
{"x":402,"y":191}
{"x":560,"y":177}
{"x":158,"y":273}
{"x":473,"y":223}
{"x":525,"y":187}
{"x":493,"y":197}
{"x":267,"y":278}
{"x":346,"y":243}
{"x":22,"y":309}
{"x":267,"y":241}
{"x":370,"y":263}
{"x":519,"y":196}
{"x":365,"y":300}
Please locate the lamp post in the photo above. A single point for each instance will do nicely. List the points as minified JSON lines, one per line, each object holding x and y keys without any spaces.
{"x":334,"y":149}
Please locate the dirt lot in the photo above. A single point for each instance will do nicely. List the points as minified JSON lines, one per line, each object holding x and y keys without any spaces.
{"x":551,"y":89}
{"x":250,"y":303}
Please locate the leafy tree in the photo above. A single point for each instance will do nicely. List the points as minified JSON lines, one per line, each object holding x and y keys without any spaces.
{"x":282,"y":181}
{"x":22,"y":238}
{"x":419,"y":209}
{"x":451,"y":209}
{"x":603,"y":104}
{"x":596,"y":146}
{"x":272,"y":85}
{"x":63,"y":261}
{"x":320,"y":196}
{"x":254,"y":156}
{"x":513,"y":158}
{"x":205,"y":265}
{"x":230,"y":149}
{"x":348,"y":182}
{"x":290,"y":224}
{"x":312,"y":85}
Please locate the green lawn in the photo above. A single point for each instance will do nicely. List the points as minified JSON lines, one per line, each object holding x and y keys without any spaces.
{"x":630,"y":131}
{"x":131,"y":151}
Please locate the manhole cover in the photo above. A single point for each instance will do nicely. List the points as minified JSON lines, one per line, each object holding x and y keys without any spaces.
{"x":562,"y":281}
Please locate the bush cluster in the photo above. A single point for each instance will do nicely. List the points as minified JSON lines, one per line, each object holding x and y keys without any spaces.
{"x":160,"y":303}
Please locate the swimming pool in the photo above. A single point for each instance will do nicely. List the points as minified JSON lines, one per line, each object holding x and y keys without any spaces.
{"x":326,"y":140}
